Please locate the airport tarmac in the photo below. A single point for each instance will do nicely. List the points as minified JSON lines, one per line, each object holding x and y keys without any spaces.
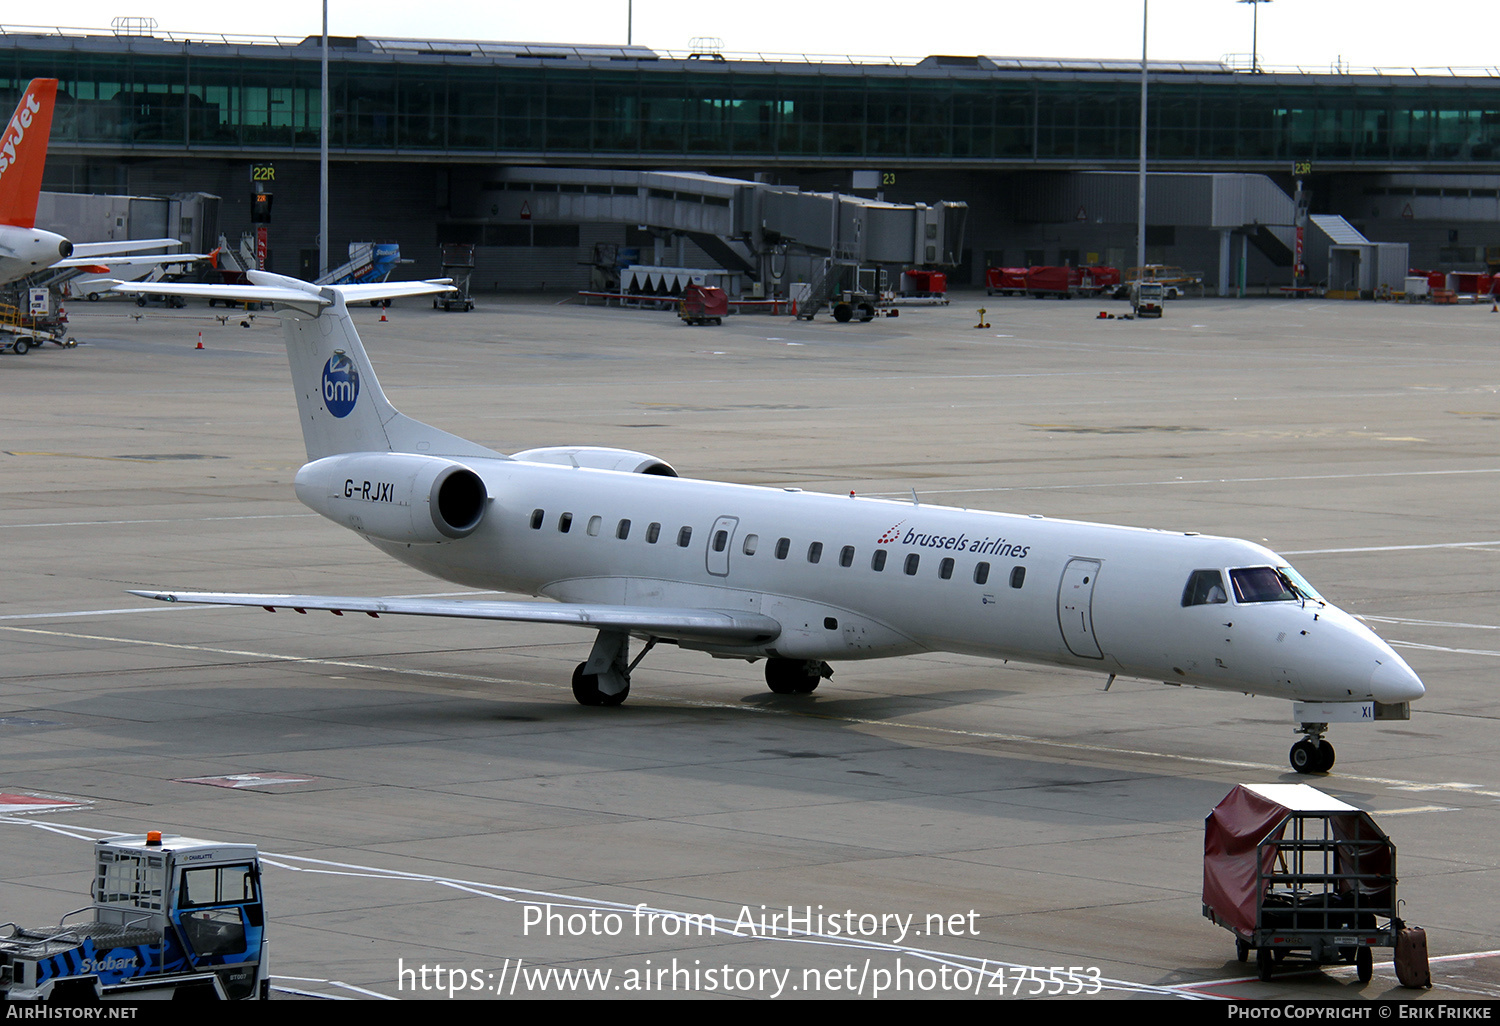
{"x":427,"y":793}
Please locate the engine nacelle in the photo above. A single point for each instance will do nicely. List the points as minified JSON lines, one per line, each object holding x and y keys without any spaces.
{"x":595,"y":457}
{"x":399,"y":497}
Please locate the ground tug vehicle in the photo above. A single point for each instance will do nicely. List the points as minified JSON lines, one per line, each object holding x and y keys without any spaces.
{"x":173,"y":918}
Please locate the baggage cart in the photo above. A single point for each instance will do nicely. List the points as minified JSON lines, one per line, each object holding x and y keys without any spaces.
{"x":703,"y":304}
{"x":1299,"y":876}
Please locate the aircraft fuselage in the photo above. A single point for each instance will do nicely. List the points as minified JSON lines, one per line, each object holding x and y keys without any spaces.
{"x":853,"y":578}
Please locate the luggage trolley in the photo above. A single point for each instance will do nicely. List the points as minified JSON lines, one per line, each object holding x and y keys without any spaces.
{"x":458,"y":264}
{"x":1290,"y":870}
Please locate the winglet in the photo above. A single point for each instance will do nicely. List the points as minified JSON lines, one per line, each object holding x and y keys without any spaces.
{"x":23,"y":153}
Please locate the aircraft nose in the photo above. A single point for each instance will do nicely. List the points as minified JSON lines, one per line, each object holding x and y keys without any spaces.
{"x":1393,"y":681}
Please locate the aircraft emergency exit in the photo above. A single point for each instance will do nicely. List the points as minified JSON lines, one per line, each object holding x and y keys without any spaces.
{"x":24,"y":248}
{"x":629,"y":549}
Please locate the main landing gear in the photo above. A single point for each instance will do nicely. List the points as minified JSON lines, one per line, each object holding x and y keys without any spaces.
{"x":795,"y":676}
{"x":605,"y":678}
{"x":1312,"y":754}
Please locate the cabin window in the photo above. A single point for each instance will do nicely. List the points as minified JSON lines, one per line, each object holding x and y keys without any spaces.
{"x":536,"y":519}
{"x":721,"y":540}
{"x":783,"y":547}
{"x":846,"y":556}
{"x":911,"y":564}
{"x":1204,"y":588}
{"x":684,"y":536}
{"x":945,"y":569}
{"x":565,"y":523}
{"x":594,"y":523}
{"x":752,"y":542}
{"x":877,"y":561}
{"x":815,"y":552}
{"x":623,"y":531}
{"x":653,"y":532}
{"x":982,"y":573}
{"x":1261,"y":584}
{"x":1017,"y":576}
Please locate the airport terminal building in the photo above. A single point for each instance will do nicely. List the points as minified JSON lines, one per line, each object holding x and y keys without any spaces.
{"x":429,"y":139}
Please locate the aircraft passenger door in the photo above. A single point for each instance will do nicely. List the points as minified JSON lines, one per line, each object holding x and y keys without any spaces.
{"x":1075,"y":597}
{"x":720,"y":541}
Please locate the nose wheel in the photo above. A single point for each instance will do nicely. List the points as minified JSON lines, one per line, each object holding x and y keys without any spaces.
{"x":1312,"y":754}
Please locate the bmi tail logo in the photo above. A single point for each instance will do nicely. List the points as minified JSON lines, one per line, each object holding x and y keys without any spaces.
{"x":340,"y":384}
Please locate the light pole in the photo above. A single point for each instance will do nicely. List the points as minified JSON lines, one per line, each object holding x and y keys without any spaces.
{"x":1140,"y":209}
{"x":1254,"y":32}
{"x":323,"y":156}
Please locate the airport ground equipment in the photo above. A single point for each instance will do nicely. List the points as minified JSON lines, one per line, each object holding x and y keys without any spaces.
{"x":21,"y":331}
{"x":703,"y":304}
{"x":1174,"y":280}
{"x":1061,"y":282}
{"x":1147,"y":297}
{"x":1291,"y":871}
{"x":458,"y":265}
{"x":369,"y":262}
{"x":172,"y":917}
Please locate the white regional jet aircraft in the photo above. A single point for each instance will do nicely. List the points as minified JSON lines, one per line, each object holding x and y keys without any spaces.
{"x":24,"y":248}
{"x":627,"y":548}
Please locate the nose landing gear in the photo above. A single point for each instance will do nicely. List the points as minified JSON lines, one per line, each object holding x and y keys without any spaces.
{"x":1312,"y":754}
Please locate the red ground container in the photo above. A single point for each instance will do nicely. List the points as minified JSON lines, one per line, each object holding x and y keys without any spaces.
{"x":925,"y":283}
{"x":703,"y":304}
{"x":1005,"y":280}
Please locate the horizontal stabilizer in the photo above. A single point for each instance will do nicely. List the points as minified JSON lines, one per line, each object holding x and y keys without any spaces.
{"x":234,"y":293}
{"x":699,"y":624}
{"x":275,"y":288}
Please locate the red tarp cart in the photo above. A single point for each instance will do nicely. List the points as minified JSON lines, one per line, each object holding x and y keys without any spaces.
{"x":703,"y":304}
{"x":1287,"y":868}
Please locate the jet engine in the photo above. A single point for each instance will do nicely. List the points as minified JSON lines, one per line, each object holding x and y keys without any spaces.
{"x":592,"y":457}
{"x":398,"y":497}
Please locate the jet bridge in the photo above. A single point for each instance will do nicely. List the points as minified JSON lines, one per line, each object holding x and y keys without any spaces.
{"x":775,"y":235}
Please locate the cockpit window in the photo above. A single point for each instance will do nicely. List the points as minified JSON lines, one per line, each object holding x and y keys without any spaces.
{"x":1299,"y":583}
{"x":1261,"y":584}
{"x":1204,"y":588}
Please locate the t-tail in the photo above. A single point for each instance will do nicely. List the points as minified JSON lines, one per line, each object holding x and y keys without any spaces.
{"x":339,"y":400}
{"x":23,"y":153}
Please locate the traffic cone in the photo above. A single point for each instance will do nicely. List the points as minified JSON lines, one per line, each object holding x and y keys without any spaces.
{"x":383,"y":317}
{"x":794,"y":308}
{"x":200,"y":340}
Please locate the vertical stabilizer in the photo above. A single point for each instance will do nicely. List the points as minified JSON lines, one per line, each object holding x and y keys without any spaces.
{"x":23,"y":153}
{"x":339,"y":399}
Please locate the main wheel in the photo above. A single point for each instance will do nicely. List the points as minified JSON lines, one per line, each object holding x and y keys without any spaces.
{"x":586,"y":689}
{"x":1364,"y":964}
{"x":1325,"y":757}
{"x":792,"y":676}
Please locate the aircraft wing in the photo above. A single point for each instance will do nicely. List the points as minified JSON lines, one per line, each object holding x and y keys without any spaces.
{"x":132,"y":258}
{"x":699,"y":624}
{"x":94,"y":249}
